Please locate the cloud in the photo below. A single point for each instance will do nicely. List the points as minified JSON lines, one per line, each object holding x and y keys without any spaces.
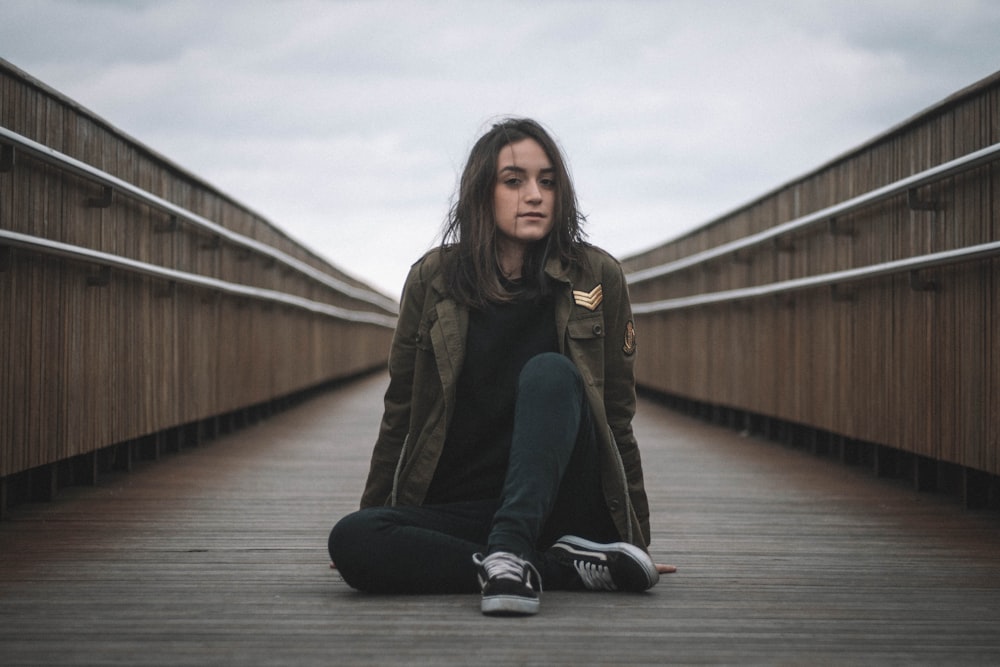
{"x":345,"y":123}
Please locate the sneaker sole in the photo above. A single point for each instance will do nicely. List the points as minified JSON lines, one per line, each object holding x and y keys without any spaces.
{"x":637,"y":555}
{"x":509,"y":605}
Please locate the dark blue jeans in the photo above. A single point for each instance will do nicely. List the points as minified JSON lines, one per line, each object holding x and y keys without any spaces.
{"x":552,"y":488}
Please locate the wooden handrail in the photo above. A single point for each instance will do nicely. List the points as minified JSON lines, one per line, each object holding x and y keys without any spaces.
{"x":970,"y":253}
{"x":113,"y":184}
{"x":65,"y":250}
{"x":903,"y":186}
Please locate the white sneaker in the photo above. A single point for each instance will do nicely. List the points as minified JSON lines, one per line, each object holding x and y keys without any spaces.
{"x":617,"y":566}
{"x":506,"y":583}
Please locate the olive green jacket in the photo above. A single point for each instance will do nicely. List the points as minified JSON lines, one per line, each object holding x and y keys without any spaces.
{"x":594,"y":329}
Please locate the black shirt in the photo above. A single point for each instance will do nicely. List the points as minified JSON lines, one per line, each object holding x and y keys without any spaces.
{"x":502,"y":337}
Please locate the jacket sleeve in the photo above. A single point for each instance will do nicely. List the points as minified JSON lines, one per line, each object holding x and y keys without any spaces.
{"x":619,"y":387}
{"x":396,"y":415}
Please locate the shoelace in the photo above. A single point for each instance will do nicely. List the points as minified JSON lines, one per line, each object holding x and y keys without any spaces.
{"x":503,"y":565}
{"x":595,"y":577}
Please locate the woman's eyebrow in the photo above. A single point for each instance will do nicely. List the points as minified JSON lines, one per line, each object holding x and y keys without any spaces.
{"x":521,"y":170}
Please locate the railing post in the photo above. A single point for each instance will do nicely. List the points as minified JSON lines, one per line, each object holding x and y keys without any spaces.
{"x":924,"y":474}
{"x":124,"y":456}
{"x":44,"y":482}
{"x":85,"y":469}
{"x":975,"y":489}
{"x":885,"y":462}
{"x":7,"y":158}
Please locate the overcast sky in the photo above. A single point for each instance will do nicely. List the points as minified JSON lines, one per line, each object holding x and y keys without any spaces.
{"x":346,"y":123}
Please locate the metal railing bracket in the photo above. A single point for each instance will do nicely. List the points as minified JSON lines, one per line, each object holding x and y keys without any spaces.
{"x":783,"y":245}
{"x":835,"y":228}
{"x":784,"y":300}
{"x":918,"y":284}
{"x":102,"y":279}
{"x":916,"y":204}
{"x":841,"y":293}
{"x":104,"y":201}
{"x":168,"y":291}
{"x":170,"y":225}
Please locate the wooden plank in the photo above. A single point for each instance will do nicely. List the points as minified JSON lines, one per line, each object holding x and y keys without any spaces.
{"x":217,"y":556}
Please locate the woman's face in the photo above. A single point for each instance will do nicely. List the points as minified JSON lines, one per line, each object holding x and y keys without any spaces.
{"x":524,"y":194}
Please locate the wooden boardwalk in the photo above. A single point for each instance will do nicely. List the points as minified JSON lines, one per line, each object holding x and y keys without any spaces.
{"x":217,"y":556}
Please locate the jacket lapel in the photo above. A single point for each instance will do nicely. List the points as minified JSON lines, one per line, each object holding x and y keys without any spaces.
{"x":448,"y":337}
{"x":564,"y":299}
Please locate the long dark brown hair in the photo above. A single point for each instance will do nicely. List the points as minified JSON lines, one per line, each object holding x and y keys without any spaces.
{"x":471,"y":266}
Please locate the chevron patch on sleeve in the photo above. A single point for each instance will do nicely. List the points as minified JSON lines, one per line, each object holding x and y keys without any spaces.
{"x":589,"y":300}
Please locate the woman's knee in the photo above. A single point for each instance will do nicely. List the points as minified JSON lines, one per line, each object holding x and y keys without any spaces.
{"x":550,"y":371}
{"x":353,"y":547}
{"x":349,"y":537}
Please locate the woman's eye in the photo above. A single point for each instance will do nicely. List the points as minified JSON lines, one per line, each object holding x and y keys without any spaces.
{"x":513,"y":182}
{"x":548,"y":183}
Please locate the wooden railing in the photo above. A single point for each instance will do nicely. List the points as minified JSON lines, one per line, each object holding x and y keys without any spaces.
{"x":141,"y":309}
{"x":854,"y":308}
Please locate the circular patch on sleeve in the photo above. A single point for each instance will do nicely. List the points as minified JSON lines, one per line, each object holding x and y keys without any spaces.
{"x":629,"y":347}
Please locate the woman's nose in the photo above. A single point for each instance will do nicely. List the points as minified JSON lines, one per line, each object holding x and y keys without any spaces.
{"x":532,"y":192}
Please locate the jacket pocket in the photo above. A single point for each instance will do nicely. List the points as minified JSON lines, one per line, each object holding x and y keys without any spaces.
{"x":586,"y":328}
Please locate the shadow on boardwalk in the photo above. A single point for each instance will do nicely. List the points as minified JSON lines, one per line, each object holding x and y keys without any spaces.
{"x":217,"y":556}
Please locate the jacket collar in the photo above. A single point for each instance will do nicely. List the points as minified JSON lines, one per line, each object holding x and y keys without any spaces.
{"x":555,"y":269}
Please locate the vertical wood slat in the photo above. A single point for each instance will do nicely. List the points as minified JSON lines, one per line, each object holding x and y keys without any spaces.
{"x":87,"y":366}
{"x":912,"y":370}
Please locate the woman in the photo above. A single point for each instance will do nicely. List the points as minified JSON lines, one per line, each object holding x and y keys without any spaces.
{"x":505,"y":453}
